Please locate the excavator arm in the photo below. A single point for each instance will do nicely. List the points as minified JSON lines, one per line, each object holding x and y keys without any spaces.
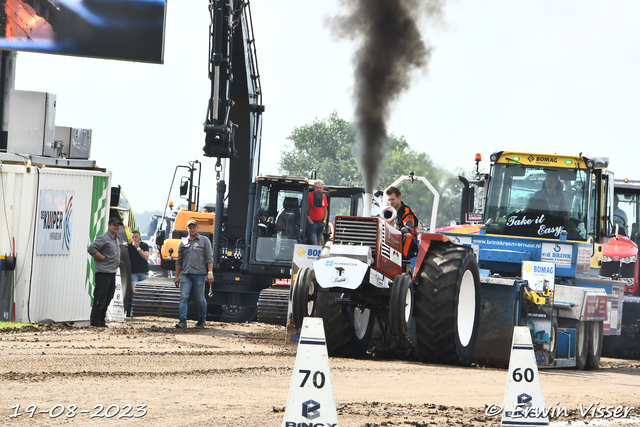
{"x":236,"y":96}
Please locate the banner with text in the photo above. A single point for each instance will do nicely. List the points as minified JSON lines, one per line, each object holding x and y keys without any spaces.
{"x":111,"y":29}
{"x":55,"y":222}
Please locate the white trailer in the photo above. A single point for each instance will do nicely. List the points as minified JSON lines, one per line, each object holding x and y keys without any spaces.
{"x":48,"y":217}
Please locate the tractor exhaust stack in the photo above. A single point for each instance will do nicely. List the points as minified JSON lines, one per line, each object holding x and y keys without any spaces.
{"x":368,"y":200}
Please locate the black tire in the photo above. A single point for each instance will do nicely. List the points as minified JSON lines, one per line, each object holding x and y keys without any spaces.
{"x":553,"y":340}
{"x":582,"y":344}
{"x":238,"y":313}
{"x":594,"y":345}
{"x":344,"y":337}
{"x":447,"y":306}
{"x":125,"y":280}
{"x":401,"y":305}
{"x":303,"y":295}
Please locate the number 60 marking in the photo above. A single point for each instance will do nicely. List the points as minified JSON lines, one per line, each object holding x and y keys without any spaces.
{"x":528,"y":375}
{"x":318,"y":378}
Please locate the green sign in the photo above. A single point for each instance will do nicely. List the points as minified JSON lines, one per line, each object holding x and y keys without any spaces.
{"x":99,"y":212}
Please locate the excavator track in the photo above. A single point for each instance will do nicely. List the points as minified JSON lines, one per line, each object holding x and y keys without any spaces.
{"x":156,"y":296}
{"x":273,"y":304}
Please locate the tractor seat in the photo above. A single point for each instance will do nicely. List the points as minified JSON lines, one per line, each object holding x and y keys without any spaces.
{"x":288,"y":219}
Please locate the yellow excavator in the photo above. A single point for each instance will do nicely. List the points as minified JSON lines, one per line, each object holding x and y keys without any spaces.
{"x":175,"y":229}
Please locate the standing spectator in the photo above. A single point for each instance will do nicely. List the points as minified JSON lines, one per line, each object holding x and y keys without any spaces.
{"x":139,"y":256}
{"x":106,"y":251}
{"x":193,"y":265}
{"x":317,"y":216}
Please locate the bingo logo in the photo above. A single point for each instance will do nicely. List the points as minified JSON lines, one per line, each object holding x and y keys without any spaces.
{"x":525,"y":399}
{"x":311,"y":409}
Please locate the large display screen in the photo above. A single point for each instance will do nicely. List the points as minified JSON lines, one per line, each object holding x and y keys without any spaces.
{"x":131,"y":30}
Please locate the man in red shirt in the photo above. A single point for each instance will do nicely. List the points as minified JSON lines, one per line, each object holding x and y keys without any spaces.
{"x":317,"y":216}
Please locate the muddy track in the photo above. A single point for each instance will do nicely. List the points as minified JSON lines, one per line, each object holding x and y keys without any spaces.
{"x":240,"y":374}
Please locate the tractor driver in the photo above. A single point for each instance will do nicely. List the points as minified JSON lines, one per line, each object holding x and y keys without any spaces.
{"x":619,"y":216}
{"x":550,"y":198}
{"x":406,"y":222}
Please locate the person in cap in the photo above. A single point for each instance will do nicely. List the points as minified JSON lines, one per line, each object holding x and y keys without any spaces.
{"x":550,"y":198}
{"x":194,"y":265}
{"x":105,"y":250}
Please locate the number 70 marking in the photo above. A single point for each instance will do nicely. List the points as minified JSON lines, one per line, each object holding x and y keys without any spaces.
{"x":318,"y":378}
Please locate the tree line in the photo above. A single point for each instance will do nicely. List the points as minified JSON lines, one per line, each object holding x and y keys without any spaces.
{"x":329,"y":146}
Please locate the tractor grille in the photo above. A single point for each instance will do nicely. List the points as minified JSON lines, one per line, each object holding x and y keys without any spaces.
{"x":356,"y":231}
{"x":608,"y":269}
{"x":385,"y":249}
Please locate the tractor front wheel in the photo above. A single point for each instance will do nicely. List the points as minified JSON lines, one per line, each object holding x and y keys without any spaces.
{"x":401,"y":305}
{"x":348,"y":330}
{"x":303,"y":295}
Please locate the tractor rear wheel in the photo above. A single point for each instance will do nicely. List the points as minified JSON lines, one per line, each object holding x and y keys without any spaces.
{"x":303,"y":295}
{"x":447,"y":306}
{"x":401,"y":305}
{"x":594,"y":346}
{"x":348,"y":330}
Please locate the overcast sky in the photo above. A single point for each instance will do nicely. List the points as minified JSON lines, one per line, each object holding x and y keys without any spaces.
{"x":542,"y":76}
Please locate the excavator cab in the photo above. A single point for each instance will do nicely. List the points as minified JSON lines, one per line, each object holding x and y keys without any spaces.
{"x":279,"y":223}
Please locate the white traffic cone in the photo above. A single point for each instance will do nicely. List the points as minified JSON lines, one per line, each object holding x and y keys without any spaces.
{"x":311,"y":400}
{"x":523,"y":399}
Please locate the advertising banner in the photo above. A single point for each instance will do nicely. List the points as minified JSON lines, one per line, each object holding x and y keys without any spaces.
{"x":540,"y":275}
{"x":131,"y":30}
{"x":55,"y":222}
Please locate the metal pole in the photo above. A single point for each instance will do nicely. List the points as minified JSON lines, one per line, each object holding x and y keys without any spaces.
{"x":7,"y":82}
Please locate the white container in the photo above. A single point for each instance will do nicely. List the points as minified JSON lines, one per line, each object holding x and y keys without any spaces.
{"x":54,"y":277}
{"x":32,"y":118}
{"x":72,"y":143}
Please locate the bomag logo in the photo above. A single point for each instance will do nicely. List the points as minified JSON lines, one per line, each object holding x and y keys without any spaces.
{"x":541,"y":159}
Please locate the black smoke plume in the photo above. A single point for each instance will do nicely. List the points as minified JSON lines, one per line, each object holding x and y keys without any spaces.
{"x":391,"y":51}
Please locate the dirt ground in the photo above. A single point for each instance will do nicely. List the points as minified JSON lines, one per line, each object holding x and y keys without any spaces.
{"x":239,"y":374}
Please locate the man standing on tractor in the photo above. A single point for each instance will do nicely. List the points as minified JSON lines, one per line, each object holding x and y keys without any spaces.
{"x":317,"y":216}
{"x":406,"y":222}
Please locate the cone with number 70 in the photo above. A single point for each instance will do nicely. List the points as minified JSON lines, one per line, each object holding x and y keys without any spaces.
{"x":311,"y":400}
